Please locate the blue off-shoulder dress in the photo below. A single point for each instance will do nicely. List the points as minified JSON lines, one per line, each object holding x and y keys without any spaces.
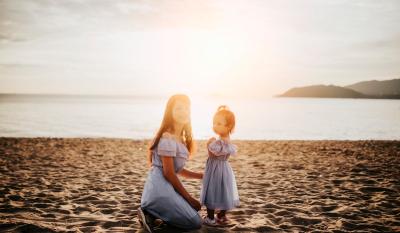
{"x":219,"y":189}
{"x":159,"y":197}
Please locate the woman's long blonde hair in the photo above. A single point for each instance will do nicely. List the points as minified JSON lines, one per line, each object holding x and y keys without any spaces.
{"x":167,"y":125}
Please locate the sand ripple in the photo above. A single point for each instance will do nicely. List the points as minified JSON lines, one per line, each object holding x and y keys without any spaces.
{"x":86,"y":185}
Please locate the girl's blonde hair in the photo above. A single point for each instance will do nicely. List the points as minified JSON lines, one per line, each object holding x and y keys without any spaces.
{"x":167,"y":125}
{"x":224,"y":111}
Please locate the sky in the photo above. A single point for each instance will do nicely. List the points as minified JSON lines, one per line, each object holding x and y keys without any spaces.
{"x":222,"y":47}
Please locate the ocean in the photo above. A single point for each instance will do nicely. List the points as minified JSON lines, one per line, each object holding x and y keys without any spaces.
{"x":256,"y":119}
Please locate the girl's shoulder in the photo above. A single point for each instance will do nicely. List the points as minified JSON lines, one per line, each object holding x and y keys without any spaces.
{"x":225,"y":142}
{"x":232,"y":147}
{"x":220,"y":146}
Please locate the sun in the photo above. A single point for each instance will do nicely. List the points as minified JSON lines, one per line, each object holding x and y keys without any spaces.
{"x":207,"y":58}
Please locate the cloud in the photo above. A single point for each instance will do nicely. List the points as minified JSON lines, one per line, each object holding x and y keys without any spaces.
{"x":36,"y":18}
{"x":384,"y":44}
{"x":270,"y":40}
{"x":17,"y":65}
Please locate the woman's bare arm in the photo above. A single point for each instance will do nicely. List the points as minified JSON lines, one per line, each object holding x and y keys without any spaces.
{"x":189,"y":174}
{"x":170,"y":176}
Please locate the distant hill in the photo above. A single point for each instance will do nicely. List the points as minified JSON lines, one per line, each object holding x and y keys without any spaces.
{"x":377,"y":88}
{"x":388,"y":89}
{"x":322,"y":91}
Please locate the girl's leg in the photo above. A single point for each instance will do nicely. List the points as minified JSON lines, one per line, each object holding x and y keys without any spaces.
{"x":210,"y":213}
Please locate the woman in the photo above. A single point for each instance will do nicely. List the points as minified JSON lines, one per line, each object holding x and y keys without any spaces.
{"x":163,"y":195}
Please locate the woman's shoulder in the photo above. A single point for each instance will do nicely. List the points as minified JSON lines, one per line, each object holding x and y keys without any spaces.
{"x":167,"y":138}
{"x":167,"y":135}
{"x":167,"y":144}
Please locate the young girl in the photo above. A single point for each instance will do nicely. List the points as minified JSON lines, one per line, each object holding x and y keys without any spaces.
{"x":219,"y":189}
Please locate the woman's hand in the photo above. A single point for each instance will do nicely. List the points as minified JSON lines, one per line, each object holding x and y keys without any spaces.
{"x":195,"y":204}
{"x":189,"y":174}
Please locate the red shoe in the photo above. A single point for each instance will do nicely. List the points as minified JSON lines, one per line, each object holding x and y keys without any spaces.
{"x":222,"y":220}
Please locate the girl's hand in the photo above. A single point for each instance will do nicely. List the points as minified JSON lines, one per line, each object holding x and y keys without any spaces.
{"x":195,"y":204}
{"x":211,"y":140}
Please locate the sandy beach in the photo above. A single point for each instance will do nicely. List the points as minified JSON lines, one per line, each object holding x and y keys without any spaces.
{"x":86,"y":185}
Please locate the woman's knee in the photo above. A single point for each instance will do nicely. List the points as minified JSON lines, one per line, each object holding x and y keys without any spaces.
{"x":192,"y":223}
{"x":197,"y":222}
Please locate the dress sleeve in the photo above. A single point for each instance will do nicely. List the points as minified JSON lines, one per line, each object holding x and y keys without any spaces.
{"x":166,"y":147}
{"x":234,"y":149}
{"x":217,"y":148}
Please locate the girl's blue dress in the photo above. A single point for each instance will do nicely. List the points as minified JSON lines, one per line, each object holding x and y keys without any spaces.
{"x":219,"y":190}
{"x":159,"y":197}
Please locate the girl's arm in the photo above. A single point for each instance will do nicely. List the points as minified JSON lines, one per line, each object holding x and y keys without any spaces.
{"x":208,"y":143}
{"x":189,"y":174}
{"x":211,"y":140}
{"x":170,"y":176}
{"x":210,"y":153}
